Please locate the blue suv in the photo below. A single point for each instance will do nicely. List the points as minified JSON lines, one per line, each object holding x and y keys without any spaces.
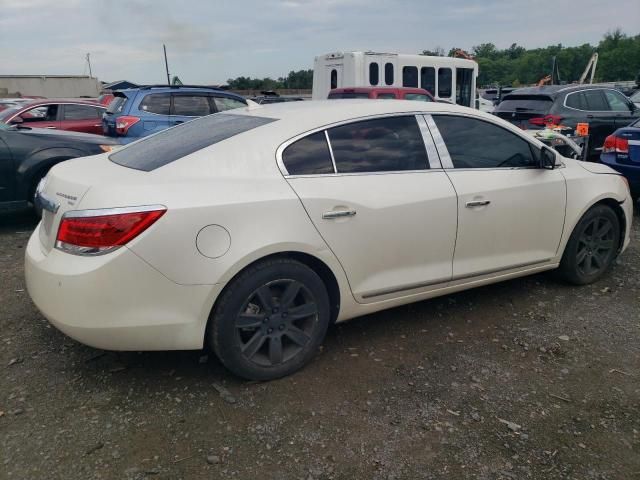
{"x":138,"y":112}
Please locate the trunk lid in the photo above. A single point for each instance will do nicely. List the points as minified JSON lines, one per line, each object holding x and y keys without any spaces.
{"x":520,"y":108}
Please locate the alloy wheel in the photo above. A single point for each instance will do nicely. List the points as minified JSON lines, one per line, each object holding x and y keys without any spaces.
{"x":595,"y":246}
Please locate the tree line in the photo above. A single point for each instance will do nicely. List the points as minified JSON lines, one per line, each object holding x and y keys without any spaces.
{"x":619,"y":59}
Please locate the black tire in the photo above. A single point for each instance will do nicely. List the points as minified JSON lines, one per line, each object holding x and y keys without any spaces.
{"x":592,"y":247}
{"x":270,"y":319}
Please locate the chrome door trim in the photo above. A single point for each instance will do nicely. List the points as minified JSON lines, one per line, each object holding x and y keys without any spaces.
{"x":333,"y":158}
{"x":443,"y":152}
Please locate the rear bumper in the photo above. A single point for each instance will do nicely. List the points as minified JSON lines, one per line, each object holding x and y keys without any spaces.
{"x":116,"y":301}
{"x":631,"y":172}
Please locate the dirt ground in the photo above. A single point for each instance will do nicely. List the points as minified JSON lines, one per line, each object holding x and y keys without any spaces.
{"x":525,"y":379}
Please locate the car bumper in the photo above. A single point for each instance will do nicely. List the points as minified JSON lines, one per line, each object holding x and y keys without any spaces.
{"x":631,"y":172}
{"x":116,"y":301}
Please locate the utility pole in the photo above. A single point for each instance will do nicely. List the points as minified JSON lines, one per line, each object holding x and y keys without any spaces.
{"x":166,"y":64}
{"x":89,"y":63}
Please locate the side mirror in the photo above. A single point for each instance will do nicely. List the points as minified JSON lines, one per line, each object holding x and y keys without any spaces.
{"x":17,"y":120}
{"x":547,"y":158}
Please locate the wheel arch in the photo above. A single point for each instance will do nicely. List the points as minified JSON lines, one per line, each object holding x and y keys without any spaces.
{"x":619,"y":211}
{"x":314,"y":263}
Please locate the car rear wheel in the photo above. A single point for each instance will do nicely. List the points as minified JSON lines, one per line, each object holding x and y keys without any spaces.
{"x":270,"y":320}
{"x":592,"y":247}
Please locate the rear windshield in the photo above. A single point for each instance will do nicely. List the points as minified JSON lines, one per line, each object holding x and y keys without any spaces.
{"x":333,"y":96}
{"x":170,"y":145}
{"x":534,"y":103}
{"x":117,"y":104}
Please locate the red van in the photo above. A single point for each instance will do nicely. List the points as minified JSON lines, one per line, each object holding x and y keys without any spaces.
{"x":382,"y":93}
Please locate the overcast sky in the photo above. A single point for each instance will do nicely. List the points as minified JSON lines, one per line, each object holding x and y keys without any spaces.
{"x":209,"y":41}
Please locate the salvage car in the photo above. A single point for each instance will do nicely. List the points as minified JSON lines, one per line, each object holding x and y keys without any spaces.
{"x":57,"y":114}
{"x":26,"y":155}
{"x":253,"y":230}
{"x":604,"y":109}
{"x":139,"y":112}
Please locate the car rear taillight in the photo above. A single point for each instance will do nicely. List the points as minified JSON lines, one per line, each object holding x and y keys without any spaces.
{"x":96,"y":232}
{"x":124,"y":123}
{"x":613,"y":144}
{"x":546,"y":120}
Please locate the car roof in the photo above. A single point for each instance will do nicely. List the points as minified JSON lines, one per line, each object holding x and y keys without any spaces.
{"x":175,"y":88}
{"x":302,"y":116}
{"x":35,"y":103}
{"x":555,"y":90}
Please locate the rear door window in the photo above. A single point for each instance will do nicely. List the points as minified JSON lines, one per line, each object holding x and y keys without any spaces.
{"x":81,"y":112}
{"x":191,"y":105}
{"x":379,"y":145}
{"x":158,"y":103}
{"x":576,"y":100}
{"x":170,"y":145}
{"x":474,"y":143}
{"x":596,"y":102}
{"x":308,"y":156}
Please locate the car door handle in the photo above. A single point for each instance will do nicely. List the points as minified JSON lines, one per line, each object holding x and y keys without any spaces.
{"x":338,"y":214}
{"x":478,"y":203}
{"x":589,"y":116}
{"x":51,"y":127}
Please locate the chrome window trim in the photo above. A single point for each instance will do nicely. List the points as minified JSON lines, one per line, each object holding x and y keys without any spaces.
{"x":429,"y":144}
{"x":333,"y":159}
{"x":564,"y":103}
{"x":325,"y":128}
{"x":441,"y":147}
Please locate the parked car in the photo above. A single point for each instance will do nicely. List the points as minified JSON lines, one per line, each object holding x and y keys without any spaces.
{"x":139,"y":112}
{"x":621,"y":151}
{"x":269,"y":96}
{"x":12,"y":102}
{"x":635,"y":98}
{"x":57,"y":114}
{"x":26,"y":155}
{"x":382,"y":93}
{"x":270,"y":223}
{"x":603,"y":108}
{"x":105,"y":99}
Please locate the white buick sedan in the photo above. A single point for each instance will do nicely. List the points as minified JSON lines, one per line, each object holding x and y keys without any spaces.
{"x":252,"y":231}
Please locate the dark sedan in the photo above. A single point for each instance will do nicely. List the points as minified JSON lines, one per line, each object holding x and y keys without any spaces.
{"x":26,"y":155}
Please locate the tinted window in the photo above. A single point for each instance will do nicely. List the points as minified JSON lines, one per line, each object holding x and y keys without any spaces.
{"x":428,"y":79}
{"x":333,"y":96}
{"x":524,"y":103}
{"x":595,"y":100}
{"x":191,"y":105}
{"x":334,"y":79}
{"x":417,"y":96}
{"x":156,"y":103}
{"x":81,"y":112}
{"x":576,"y":100}
{"x":308,"y":156}
{"x":388,"y":73}
{"x":410,"y":77}
{"x":381,"y":145}
{"x":226,"y":103}
{"x":386,"y":96}
{"x":117,"y":104}
{"x":374,"y":74}
{"x":169,"y":145}
{"x":617,"y":101}
{"x":478,"y":144}
{"x":444,"y":82}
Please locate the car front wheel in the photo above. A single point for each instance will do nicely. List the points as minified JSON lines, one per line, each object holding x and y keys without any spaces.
{"x":592,"y":247}
{"x":270,"y":320}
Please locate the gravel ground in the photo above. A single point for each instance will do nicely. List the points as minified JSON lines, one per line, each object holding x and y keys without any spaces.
{"x":525,"y":379}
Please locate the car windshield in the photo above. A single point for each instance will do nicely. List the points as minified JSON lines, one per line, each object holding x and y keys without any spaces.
{"x":168,"y":146}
